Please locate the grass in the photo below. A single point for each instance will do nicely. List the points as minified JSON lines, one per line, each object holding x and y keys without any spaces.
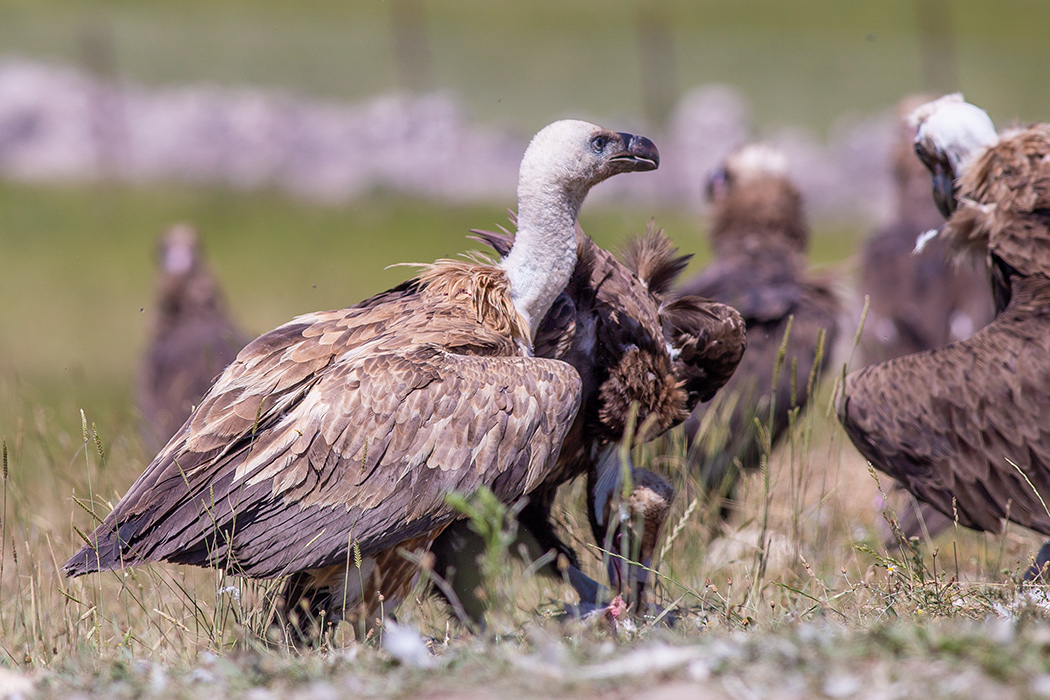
{"x":797,"y":595}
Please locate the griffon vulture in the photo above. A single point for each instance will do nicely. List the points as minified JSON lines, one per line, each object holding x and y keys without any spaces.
{"x":759,"y":238}
{"x":633,"y":344}
{"x":192,"y":340}
{"x":917,"y":300}
{"x":338,"y":435}
{"x":964,"y":427}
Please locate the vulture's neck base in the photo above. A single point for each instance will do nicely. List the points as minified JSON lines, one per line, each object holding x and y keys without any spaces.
{"x":543,"y":257}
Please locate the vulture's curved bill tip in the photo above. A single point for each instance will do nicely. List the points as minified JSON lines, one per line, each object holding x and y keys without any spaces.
{"x":639,"y":151}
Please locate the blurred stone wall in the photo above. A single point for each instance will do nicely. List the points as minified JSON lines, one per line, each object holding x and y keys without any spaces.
{"x":61,"y":124}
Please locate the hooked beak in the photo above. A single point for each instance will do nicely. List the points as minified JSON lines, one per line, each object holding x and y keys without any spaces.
{"x":638,"y":153}
{"x":944,"y":190}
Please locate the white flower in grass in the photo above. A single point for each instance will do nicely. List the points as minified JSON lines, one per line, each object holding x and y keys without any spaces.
{"x":230,"y":591}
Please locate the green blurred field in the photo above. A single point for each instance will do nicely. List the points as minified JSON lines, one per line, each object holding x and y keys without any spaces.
{"x":521,"y":64}
{"x":77,"y":285}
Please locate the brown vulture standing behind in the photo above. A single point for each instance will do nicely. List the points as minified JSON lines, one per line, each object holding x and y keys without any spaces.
{"x":632,"y":342}
{"x":964,"y":427}
{"x":759,"y":238}
{"x":917,"y":301}
{"x":337,"y":435}
{"x":193,"y":337}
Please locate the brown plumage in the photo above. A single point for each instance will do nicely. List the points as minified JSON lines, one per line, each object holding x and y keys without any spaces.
{"x":759,"y":238}
{"x":193,"y":337}
{"x":957,"y":426}
{"x":342,"y":431}
{"x":631,"y":342}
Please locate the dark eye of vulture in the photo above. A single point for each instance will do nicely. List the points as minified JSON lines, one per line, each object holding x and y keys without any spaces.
{"x":337,"y":436}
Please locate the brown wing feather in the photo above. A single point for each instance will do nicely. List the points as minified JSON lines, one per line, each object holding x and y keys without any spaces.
{"x":710,"y":338}
{"x":353,"y":423}
{"x":947,"y":423}
{"x":1004,"y":201}
{"x":654,"y":259}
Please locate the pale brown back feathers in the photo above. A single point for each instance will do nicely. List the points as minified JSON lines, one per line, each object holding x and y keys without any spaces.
{"x":357,"y":420}
{"x":484,"y":288}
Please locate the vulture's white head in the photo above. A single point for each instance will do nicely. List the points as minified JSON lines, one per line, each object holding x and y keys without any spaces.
{"x":575,"y":155}
{"x":178,"y":250}
{"x":746,"y":164}
{"x":560,"y":166}
{"x":950,"y":135}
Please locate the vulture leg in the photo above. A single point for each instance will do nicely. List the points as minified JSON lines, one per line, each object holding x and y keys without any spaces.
{"x":1039,"y":572}
{"x":457,"y":549}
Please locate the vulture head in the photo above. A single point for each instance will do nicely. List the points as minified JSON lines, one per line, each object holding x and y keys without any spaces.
{"x":581,"y":155}
{"x":185,"y":285}
{"x":751,"y":163}
{"x":754,"y":203}
{"x":562,"y":163}
{"x":950,"y":135}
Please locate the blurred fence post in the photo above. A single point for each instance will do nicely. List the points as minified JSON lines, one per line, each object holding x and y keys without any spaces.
{"x":937,"y":56}
{"x":106,"y":115}
{"x":657,"y":64}
{"x":411,"y":45}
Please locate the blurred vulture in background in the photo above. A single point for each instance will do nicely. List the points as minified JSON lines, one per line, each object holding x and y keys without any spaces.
{"x":964,"y":427}
{"x":645,"y":359}
{"x":759,"y":238}
{"x":193,"y":337}
{"x":917,"y":301}
{"x":329,"y":445}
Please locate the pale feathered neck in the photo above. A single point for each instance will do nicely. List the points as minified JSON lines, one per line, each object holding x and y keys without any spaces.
{"x":541,"y":261}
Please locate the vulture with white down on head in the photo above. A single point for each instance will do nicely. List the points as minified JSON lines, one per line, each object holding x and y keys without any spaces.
{"x":759,"y":238}
{"x":636,"y":348}
{"x":964,"y":427}
{"x":192,"y":340}
{"x":916,"y":300}
{"x":340,"y":433}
